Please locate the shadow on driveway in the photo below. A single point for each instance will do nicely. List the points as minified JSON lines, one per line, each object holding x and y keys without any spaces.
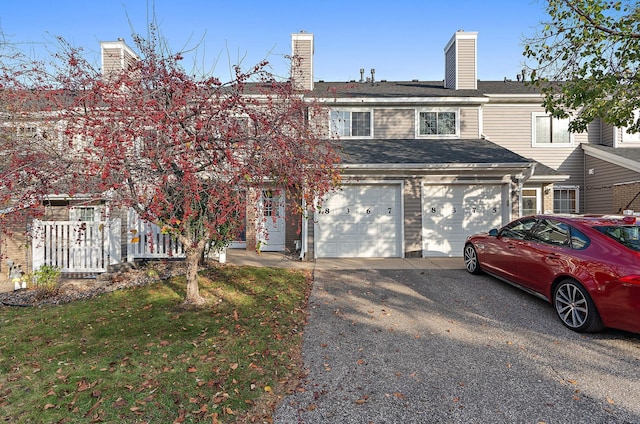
{"x":440,"y":345}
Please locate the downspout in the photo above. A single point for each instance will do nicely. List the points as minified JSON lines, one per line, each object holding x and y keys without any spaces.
{"x":304,"y":237}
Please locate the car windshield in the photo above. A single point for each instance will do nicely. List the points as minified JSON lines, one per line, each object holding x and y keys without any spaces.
{"x":627,"y":235}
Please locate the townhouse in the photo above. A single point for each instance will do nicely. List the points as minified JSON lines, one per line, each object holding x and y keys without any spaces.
{"x":425,"y":164}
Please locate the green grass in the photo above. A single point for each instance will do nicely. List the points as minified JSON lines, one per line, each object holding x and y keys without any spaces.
{"x":138,"y":356}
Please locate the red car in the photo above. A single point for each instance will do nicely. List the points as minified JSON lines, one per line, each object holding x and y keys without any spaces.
{"x":586,"y":266}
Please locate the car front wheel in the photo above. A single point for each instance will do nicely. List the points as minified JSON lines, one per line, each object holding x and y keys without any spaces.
{"x":575,"y":307}
{"x":471,"y":259}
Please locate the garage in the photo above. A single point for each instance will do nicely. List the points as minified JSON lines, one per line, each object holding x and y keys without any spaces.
{"x":360,"y":220}
{"x":452,"y":212}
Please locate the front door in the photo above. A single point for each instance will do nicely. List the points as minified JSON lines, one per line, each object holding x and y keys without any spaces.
{"x":270,"y":222}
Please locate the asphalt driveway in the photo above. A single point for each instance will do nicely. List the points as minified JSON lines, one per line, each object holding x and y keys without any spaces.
{"x":442,"y":346}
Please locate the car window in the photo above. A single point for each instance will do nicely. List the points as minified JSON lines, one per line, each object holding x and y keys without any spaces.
{"x":552,"y":232}
{"x":579,"y":240}
{"x":518,"y":229}
{"x":627,"y":235}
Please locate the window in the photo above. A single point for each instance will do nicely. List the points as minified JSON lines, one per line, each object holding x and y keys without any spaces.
{"x":347,"y":123}
{"x":530,"y":201}
{"x":85,"y":214}
{"x":27,"y":132}
{"x":437,"y":123}
{"x":271,"y":202}
{"x":565,"y":200}
{"x":551,"y":232}
{"x":550,"y":132}
{"x":519,"y":229}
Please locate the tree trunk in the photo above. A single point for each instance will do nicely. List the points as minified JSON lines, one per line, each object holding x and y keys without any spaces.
{"x":193,"y":291}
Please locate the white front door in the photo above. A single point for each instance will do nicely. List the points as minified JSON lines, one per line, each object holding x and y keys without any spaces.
{"x":270,"y":221}
{"x":450,"y":213}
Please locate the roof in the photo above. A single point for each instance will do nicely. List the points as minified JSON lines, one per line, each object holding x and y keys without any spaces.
{"x":400,"y":89}
{"x":627,"y":157}
{"x":427,"y":151}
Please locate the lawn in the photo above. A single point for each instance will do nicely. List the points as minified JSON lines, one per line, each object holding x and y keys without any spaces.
{"x":138,"y":356}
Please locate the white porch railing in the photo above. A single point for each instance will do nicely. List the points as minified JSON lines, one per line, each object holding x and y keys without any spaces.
{"x":76,"y":247}
{"x":147,"y":241}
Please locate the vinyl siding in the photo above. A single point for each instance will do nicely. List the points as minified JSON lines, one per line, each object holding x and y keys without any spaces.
{"x":599,"y":187}
{"x":302,"y":72}
{"x":469,"y":123}
{"x":450,"y":68}
{"x":112,"y":61}
{"x":394,"y":123}
{"x":412,"y":218}
{"x":510,"y":126}
{"x":467,"y":64}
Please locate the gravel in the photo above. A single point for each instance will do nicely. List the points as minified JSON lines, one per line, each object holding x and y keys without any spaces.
{"x":441,"y":346}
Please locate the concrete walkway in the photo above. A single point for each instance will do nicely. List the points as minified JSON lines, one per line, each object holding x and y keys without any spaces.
{"x":242,"y":257}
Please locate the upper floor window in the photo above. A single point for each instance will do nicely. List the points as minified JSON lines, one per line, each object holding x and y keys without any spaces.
{"x":630,"y":137}
{"x":438,"y":123}
{"x":350,"y":123}
{"x":550,"y":132}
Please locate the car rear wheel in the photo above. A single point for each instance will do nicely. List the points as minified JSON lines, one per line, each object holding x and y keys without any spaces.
{"x":575,"y":307}
{"x":471,"y":259}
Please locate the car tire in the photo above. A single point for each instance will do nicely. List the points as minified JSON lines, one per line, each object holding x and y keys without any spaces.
{"x":471,"y":259}
{"x":575,"y":308}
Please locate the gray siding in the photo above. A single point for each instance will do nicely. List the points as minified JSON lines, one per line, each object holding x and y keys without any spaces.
{"x":450,"y":68}
{"x":510,"y":126}
{"x":394,"y":123}
{"x":412,"y":217}
{"x":469,"y":123}
{"x":599,"y":186}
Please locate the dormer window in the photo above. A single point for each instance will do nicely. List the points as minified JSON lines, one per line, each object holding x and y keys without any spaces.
{"x":438,"y":123}
{"x":350,"y":123}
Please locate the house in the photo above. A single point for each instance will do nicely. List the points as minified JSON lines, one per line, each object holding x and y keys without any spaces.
{"x":427,"y":163}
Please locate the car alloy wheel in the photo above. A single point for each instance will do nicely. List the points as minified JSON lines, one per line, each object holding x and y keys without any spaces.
{"x":575,"y":307}
{"x":471,"y":259}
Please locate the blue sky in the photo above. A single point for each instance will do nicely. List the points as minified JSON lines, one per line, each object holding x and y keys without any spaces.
{"x":401,"y":39}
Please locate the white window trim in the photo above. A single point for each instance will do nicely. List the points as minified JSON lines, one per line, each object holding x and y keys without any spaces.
{"x":535,"y":115}
{"x":350,"y":110}
{"x":627,"y":137}
{"x":74,"y":212}
{"x":437,"y":109}
{"x":567,"y":187}
{"x":538,"y":191}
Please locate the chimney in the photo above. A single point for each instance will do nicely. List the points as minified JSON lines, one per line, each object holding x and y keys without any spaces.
{"x":460,"y":58}
{"x":373,"y":75}
{"x":302,"y":60}
{"x":361,"y":74}
{"x":116,"y":56}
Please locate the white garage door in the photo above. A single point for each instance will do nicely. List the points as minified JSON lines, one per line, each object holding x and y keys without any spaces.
{"x":452,"y":212}
{"x":360,"y":221}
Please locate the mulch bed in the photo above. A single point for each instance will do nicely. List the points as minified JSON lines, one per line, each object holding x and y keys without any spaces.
{"x":71,"y":290}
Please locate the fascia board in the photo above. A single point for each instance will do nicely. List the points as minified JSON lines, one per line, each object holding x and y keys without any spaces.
{"x":609,"y":157}
{"x":410,"y":100}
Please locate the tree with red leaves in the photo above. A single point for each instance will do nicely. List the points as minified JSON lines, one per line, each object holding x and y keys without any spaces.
{"x":184,"y":152}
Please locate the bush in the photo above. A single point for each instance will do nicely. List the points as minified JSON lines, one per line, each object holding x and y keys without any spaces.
{"x":45,"y":280}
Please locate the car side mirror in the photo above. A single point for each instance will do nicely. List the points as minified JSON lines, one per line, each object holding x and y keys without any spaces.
{"x":493,"y":232}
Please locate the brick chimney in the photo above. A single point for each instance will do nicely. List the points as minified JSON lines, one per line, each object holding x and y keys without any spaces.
{"x":460,"y":61}
{"x":116,"y":56}
{"x":302,"y":60}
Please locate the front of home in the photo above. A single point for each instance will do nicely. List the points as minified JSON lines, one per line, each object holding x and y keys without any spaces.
{"x":427,"y":163}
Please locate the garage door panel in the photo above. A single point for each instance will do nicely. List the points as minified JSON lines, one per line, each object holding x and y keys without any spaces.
{"x":362,"y":220}
{"x":452,"y":212}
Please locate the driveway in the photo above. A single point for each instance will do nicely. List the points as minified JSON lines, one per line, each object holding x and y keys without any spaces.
{"x":442,"y":346}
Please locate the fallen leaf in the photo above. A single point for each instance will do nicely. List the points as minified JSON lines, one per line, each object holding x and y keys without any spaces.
{"x":610,"y":401}
{"x":267,"y":388}
{"x":49,"y":406}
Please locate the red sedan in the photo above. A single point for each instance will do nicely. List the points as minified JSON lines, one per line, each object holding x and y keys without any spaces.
{"x":587,"y":266}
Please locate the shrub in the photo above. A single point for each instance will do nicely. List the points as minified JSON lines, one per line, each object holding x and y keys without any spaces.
{"x":45,"y":280}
